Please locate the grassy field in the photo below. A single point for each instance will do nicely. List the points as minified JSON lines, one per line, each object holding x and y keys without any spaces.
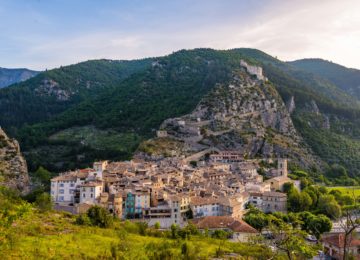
{"x":54,"y":235}
{"x":350,"y":190}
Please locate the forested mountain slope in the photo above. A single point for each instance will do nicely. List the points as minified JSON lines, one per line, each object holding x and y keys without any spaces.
{"x":345,"y":78}
{"x":52,"y":92}
{"x":105,"y":113}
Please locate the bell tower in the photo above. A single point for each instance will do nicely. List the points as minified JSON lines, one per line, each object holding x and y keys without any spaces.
{"x":282,"y":167}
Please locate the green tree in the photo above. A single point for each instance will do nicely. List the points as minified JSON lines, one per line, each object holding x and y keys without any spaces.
{"x":44,"y":202}
{"x":337,"y":171}
{"x":220,"y":234}
{"x":288,"y":187}
{"x":294,"y":201}
{"x":305,"y":201}
{"x":315,"y":224}
{"x":328,"y":206}
{"x":43,"y":176}
{"x":99,"y":217}
{"x":292,"y":241}
{"x":256,"y":219}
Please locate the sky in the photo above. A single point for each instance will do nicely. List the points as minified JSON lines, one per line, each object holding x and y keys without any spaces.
{"x":44,"y":34}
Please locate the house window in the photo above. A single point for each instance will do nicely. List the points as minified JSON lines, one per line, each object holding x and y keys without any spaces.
{"x":83,"y":195}
{"x":61,"y":191}
{"x":91,"y":195}
{"x":61,"y":198}
{"x":92,"y":189}
{"x":72,"y":185}
{"x":61,"y":184}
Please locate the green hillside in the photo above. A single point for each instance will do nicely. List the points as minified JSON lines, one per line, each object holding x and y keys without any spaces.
{"x":345,"y":78}
{"x":52,"y":92}
{"x":29,"y":231}
{"x":114,"y":105}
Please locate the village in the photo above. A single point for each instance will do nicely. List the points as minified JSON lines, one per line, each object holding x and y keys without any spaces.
{"x":169,"y":191}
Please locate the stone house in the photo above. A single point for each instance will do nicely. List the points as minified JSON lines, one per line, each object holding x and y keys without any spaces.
{"x":274,"y":202}
{"x":239,"y":230}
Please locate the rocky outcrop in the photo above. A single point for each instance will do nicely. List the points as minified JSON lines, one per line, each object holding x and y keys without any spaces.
{"x":291,"y":105}
{"x":247,"y":115}
{"x":312,"y":107}
{"x":13,"y":168}
{"x":326,"y":123}
{"x":50,"y":87}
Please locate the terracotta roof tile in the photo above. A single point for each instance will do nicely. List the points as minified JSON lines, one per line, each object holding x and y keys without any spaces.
{"x":220,"y":222}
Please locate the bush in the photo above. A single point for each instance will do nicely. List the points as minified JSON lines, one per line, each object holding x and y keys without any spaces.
{"x":143,"y":226}
{"x":43,"y":202}
{"x":83,"y":220}
{"x":99,"y":217}
{"x":157,"y":225}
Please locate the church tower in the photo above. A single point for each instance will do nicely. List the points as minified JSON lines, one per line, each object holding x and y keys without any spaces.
{"x":282,"y":167}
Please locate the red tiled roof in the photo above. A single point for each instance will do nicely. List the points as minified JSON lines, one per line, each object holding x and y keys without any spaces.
{"x":221,"y":222}
{"x":338,"y":240}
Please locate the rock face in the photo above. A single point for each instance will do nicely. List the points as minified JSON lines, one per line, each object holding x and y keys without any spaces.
{"x":246,"y":115}
{"x":13,"y":168}
{"x":291,"y":105}
{"x":50,"y":87}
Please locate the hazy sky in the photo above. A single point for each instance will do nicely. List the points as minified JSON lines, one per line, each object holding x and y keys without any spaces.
{"x":41,"y":34}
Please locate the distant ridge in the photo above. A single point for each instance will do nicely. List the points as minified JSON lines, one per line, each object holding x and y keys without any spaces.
{"x":12,"y":76}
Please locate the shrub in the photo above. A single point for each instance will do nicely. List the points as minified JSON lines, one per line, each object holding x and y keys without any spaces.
{"x":83,"y":219}
{"x":99,"y":217}
{"x":43,"y":202}
{"x":157,"y":225}
{"x":143,"y":226}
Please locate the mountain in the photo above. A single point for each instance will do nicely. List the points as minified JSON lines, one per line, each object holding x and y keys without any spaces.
{"x":67,"y":117}
{"x":54,"y":91}
{"x":13,"y":168}
{"x":12,"y":76}
{"x":246,"y":115}
{"x":345,"y":78}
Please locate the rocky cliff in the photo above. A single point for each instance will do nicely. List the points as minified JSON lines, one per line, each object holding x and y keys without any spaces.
{"x":247,"y":115}
{"x":13,"y":168}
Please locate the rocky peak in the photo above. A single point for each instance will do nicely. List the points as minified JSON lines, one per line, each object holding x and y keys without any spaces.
{"x":13,"y":168}
{"x":247,"y":115}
